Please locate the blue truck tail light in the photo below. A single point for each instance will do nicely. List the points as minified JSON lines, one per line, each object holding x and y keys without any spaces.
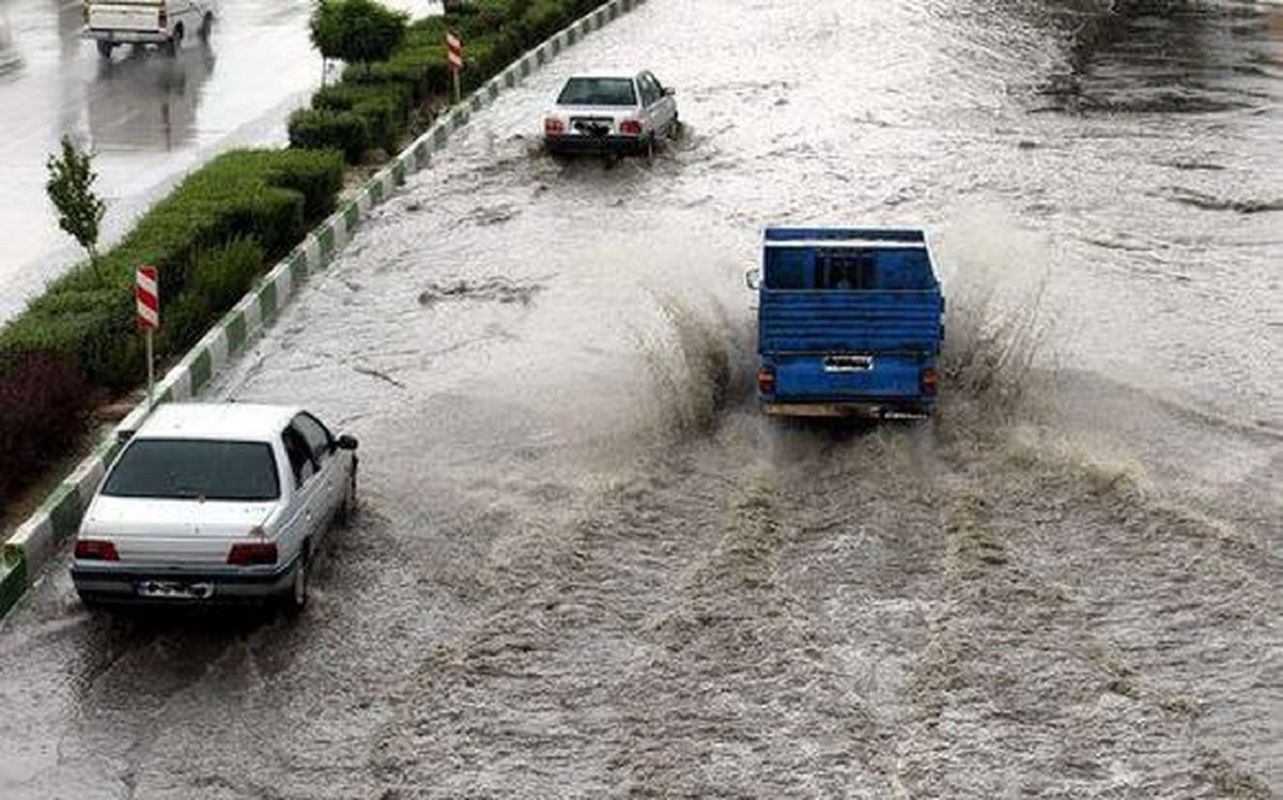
{"x":766,"y":380}
{"x":930,"y":381}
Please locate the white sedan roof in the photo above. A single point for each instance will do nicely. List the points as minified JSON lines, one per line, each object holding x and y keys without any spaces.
{"x":605,"y":72}
{"x":244,"y":422}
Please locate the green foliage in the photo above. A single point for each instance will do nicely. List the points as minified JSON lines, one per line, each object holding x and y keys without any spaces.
{"x":421,"y":71}
{"x":345,"y":96}
{"x":315,"y":174}
{"x":357,"y":31}
{"x":88,"y":315}
{"x":217,"y":281}
{"x":487,"y":16}
{"x":542,"y":18}
{"x":382,"y":119}
{"x":494,"y":33}
{"x":70,"y":189}
{"x":344,"y":131}
{"x":483,"y":59}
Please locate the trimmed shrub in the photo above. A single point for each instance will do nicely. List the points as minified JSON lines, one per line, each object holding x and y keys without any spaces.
{"x":44,"y":402}
{"x":422,"y":72}
{"x":426,"y":32}
{"x":385,"y":107}
{"x":344,"y":131}
{"x":88,"y":315}
{"x":382,"y":120}
{"x":494,"y":33}
{"x":344,"y":96}
{"x":542,"y":18}
{"x":315,"y":174}
{"x":357,"y":31}
{"x":487,"y":16}
{"x":481,"y":62}
{"x":218,"y":280}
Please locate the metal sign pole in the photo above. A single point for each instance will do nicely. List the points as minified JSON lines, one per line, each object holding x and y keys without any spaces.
{"x":151,"y":371}
{"x":454,"y":54}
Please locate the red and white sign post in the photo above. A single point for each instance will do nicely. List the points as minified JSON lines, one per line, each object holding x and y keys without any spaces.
{"x":454,"y":54}
{"x":147,"y":297}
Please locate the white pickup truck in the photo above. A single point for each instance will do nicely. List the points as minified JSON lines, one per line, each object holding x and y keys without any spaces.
{"x":161,"y":22}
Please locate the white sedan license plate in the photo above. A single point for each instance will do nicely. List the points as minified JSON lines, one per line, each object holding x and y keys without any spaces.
{"x":175,"y":590}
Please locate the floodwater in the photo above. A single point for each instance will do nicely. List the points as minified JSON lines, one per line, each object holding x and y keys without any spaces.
{"x":585,"y":566}
{"x":149,"y":118}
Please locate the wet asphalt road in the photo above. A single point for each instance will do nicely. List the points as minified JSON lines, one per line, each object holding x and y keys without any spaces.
{"x":150,"y":118}
{"x":586,"y":566}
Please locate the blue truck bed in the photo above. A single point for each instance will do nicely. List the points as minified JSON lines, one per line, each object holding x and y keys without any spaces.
{"x":849,"y":321}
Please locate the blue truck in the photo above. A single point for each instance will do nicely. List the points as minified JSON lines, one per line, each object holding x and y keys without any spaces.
{"x":850,"y":322}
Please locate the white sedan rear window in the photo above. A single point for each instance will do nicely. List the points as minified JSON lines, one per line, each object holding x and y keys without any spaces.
{"x":195,"y":469}
{"x":598,"y":92}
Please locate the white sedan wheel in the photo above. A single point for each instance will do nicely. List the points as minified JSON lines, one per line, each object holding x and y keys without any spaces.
{"x":299,"y":587}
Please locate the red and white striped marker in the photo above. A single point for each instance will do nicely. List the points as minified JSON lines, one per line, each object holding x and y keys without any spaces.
{"x":454,"y":51}
{"x":454,"y":54}
{"x":147,"y":294}
{"x":147,"y":301}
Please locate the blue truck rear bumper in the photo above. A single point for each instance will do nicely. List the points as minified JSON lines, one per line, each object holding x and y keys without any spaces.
{"x":877,"y":408}
{"x":872,"y":384}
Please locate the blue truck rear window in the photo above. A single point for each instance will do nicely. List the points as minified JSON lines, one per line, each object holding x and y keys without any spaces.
{"x":849,"y":269}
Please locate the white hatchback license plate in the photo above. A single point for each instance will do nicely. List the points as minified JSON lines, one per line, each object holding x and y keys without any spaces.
{"x":175,"y":590}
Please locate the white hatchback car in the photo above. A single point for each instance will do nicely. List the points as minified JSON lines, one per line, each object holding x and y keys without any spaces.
{"x":212,"y":503}
{"x":610,"y":111}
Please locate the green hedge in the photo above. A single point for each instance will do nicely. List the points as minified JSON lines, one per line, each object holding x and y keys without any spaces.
{"x":217,"y":281}
{"x":380,"y":98}
{"x":269,"y":196}
{"x":346,"y":96}
{"x":344,"y":131}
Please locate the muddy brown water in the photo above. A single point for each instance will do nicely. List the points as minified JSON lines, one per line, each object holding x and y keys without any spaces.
{"x":586,"y":566}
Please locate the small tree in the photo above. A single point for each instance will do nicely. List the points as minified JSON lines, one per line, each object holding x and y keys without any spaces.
{"x":70,"y":188}
{"x":357,"y":31}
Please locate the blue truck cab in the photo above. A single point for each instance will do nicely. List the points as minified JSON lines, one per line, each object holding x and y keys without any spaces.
{"x":850,"y":322}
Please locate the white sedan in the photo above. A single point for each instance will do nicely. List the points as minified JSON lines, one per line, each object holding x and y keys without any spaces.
{"x":215,"y":502}
{"x":610,"y":111}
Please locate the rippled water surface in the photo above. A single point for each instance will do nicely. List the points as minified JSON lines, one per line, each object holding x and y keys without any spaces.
{"x":586,"y":566}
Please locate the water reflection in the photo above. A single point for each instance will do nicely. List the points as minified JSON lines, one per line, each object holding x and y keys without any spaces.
{"x":1161,"y":56}
{"x":148,"y":101}
{"x":10,"y":58}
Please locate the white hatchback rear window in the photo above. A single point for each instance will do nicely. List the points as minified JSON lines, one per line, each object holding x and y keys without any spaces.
{"x":598,"y":92}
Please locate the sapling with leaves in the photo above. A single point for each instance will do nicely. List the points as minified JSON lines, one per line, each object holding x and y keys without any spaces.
{"x":70,"y":188}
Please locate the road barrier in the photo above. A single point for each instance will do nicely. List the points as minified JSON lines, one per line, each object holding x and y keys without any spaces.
{"x":40,"y":537}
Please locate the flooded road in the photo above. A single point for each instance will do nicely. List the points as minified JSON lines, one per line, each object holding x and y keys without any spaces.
{"x":585,"y":566}
{"x":149,"y":117}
